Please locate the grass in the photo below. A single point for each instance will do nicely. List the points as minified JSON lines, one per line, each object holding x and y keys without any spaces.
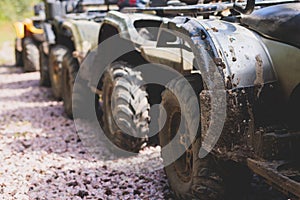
{"x":16,"y":9}
{"x":10,"y":12}
{"x":7,"y":32}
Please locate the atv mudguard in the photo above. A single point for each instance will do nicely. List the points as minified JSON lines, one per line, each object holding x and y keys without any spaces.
{"x":84,"y":35}
{"x":126,"y":26}
{"x":233,"y":51}
{"x":27,"y":26}
{"x":31,"y":28}
{"x":20,"y":29}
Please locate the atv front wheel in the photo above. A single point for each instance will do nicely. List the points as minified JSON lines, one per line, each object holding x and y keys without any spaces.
{"x":125,"y":107}
{"x":55,"y":69}
{"x":30,"y":55}
{"x":69,"y":72}
{"x":189,"y":176}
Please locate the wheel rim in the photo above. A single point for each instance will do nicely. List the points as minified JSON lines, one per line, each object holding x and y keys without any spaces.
{"x":184,"y":165}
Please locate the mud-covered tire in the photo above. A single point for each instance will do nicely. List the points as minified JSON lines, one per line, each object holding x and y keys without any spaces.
{"x":30,"y":55}
{"x":18,"y":54}
{"x":202,"y":179}
{"x":44,"y":71}
{"x":70,"y":68}
{"x":19,"y":59}
{"x":125,"y":107}
{"x":57,"y":53}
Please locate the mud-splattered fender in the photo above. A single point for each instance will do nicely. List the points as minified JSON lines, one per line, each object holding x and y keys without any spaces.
{"x":237,"y":53}
{"x":247,"y":61}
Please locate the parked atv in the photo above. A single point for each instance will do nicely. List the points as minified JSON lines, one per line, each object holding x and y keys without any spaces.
{"x":29,"y":36}
{"x":71,"y":31}
{"x":243,"y":75}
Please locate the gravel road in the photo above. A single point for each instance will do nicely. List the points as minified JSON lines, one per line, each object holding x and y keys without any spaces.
{"x":42,"y":157}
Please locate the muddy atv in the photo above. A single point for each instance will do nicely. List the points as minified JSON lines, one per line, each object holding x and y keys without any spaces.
{"x":29,"y":36}
{"x":232,"y":104}
{"x":71,"y":30}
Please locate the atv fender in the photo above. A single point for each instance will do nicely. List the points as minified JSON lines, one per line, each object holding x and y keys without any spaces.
{"x":126,"y":26}
{"x":236,"y":53}
{"x":84,"y":35}
{"x":31,"y":28}
{"x":20,"y":30}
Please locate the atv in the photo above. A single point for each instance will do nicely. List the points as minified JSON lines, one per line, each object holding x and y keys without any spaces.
{"x":29,"y":36}
{"x":229,"y":108}
{"x":71,"y":29}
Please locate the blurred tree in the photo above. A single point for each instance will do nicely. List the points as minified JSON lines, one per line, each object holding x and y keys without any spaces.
{"x":16,"y":9}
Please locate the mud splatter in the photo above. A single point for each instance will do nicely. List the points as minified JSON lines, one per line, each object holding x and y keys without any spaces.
{"x":231,"y":49}
{"x":259,"y":81}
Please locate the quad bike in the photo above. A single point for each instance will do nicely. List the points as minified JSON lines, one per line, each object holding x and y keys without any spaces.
{"x":244,"y":70}
{"x":29,"y":37}
{"x":71,"y":29}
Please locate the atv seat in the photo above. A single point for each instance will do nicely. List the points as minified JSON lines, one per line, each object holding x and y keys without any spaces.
{"x":280,"y":22}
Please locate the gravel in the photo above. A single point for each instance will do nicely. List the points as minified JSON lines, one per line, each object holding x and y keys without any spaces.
{"x":42,"y":157}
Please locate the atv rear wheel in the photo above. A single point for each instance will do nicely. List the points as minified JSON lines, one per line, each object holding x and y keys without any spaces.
{"x":189,"y":176}
{"x":55,"y":69}
{"x":18,"y":57}
{"x":30,"y":55}
{"x":44,"y":71}
{"x":125,"y":107}
{"x":70,"y":68}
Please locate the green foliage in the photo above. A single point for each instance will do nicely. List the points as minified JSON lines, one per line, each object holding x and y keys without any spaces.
{"x":16,"y":9}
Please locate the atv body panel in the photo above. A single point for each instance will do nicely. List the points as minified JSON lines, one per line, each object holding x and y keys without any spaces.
{"x":280,"y":22}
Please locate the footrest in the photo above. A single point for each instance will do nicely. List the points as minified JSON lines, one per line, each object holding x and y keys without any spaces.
{"x":285,"y":175}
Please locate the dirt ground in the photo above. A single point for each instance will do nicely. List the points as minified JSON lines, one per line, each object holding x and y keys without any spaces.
{"x":42,"y":156}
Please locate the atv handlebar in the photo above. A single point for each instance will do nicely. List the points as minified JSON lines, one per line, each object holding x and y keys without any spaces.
{"x":201,"y":9}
